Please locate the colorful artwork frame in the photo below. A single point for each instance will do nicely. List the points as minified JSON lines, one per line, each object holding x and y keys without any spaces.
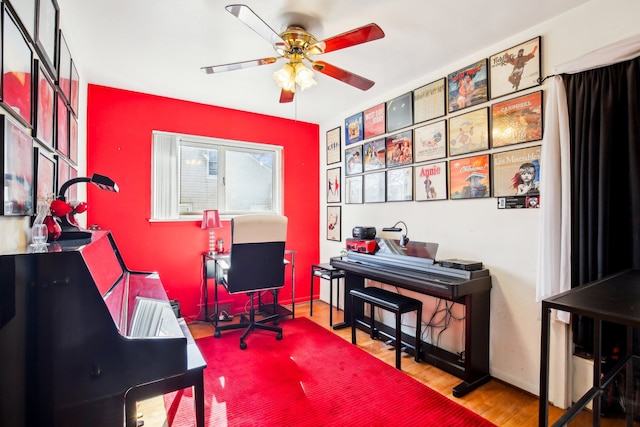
{"x":354,"y":129}
{"x":353,"y":160}
{"x":45,"y":108}
{"x":374,"y":121}
{"x":508,"y":167}
{"x":334,"y":189}
{"x":374,"y":154}
{"x":334,"y":146}
{"x":399,"y":149}
{"x":17,"y":166}
{"x":334,"y":223}
{"x":469,"y":132}
{"x":517,"y":120}
{"x":470,"y":177}
{"x":515,"y":69}
{"x":45,"y":174}
{"x":430,"y":141}
{"x":400,"y":112}
{"x":468,"y":86}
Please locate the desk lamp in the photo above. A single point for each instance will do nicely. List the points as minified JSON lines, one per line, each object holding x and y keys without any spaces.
{"x":404,"y":239}
{"x":211,"y":220}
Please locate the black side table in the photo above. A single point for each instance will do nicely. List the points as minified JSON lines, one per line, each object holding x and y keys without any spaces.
{"x":328,"y":272}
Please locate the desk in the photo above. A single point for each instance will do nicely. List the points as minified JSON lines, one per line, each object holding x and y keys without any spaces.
{"x":210,"y":265}
{"x":613,"y":299}
{"x":473,"y":293}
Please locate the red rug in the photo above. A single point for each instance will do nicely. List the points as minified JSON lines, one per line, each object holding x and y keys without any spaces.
{"x":310,"y":378}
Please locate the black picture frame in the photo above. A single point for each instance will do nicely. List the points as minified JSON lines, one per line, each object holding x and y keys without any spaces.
{"x":75,"y":88}
{"x":400,"y":184}
{"x":400,"y":149}
{"x":354,"y":129}
{"x":516,"y":69}
{"x":374,"y":187}
{"x":353,"y":160}
{"x":47,"y":22}
{"x":516,"y":120}
{"x":353,"y":190}
{"x":17,"y":84}
{"x":73,"y":139}
{"x":45,"y":108}
{"x":334,"y":186}
{"x":62,"y":125}
{"x":400,"y":112}
{"x":468,"y":86}
{"x":334,"y":223}
{"x":63,"y":174}
{"x":25,"y":11}
{"x":430,"y":101}
{"x":374,"y":121}
{"x":334,"y":146}
{"x":431,"y":181}
{"x":17,"y":169}
{"x":469,"y":132}
{"x":374,"y":154}
{"x":64,"y":67}
{"x":45,"y":176}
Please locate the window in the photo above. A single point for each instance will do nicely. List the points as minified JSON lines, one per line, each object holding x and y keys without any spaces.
{"x":192,"y":173}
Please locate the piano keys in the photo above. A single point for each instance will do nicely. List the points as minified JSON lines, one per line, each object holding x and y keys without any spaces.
{"x":80,"y":332}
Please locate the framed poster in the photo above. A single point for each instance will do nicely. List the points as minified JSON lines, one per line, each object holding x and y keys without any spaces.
{"x":17,"y":67}
{"x":374,"y":121}
{"x":45,"y":108}
{"x":516,"y":68}
{"x":430,"y":141}
{"x":353,"y":160}
{"x":517,"y":172}
{"x":429,"y":101}
{"x":64,"y":68}
{"x":62,"y":128}
{"x":469,"y":177}
{"x":334,"y":220}
{"x":63,"y":174}
{"x":400,"y":112}
{"x":517,"y":120}
{"x":374,"y":187}
{"x":400,"y":149}
{"x":334,"y":148}
{"x":333,"y":185}
{"x":47,"y":31}
{"x":353,"y":189}
{"x":374,"y":153}
{"x":400,"y":184}
{"x":73,"y":139}
{"x":469,"y":132}
{"x":431,"y":181}
{"x":17,"y":169}
{"x":468,"y":86}
{"x":46,"y":175}
{"x":75,"y":88}
{"x":354,"y":129}
{"x":26,"y":12}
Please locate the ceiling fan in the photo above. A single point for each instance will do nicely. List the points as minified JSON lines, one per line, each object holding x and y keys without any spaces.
{"x":297,"y":45}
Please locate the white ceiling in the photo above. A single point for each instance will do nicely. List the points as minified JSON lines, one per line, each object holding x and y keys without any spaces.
{"x":158,"y":46}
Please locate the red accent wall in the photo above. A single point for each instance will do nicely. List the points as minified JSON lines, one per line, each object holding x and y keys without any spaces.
{"x":119,"y":125}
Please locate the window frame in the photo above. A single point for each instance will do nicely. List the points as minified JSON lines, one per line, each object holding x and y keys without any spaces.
{"x":165,"y":173}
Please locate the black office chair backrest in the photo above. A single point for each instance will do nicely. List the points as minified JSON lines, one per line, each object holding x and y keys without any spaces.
{"x":257,"y":253}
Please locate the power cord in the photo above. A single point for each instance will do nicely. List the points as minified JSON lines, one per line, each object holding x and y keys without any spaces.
{"x":224,"y":316}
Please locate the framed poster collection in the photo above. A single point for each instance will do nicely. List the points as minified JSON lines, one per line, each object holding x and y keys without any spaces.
{"x":430,"y":144}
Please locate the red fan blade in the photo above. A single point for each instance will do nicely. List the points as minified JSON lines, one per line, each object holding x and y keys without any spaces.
{"x":237,"y":65}
{"x":286,"y":96}
{"x":343,"y":75}
{"x":253,"y":21}
{"x":350,"y":38}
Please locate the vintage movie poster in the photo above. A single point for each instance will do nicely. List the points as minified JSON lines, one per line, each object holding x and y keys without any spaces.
{"x":469,"y":177}
{"x":333,"y":185}
{"x":400,"y":112}
{"x":430,"y":141}
{"x":333,"y":146}
{"x":374,"y":121}
{"x":431,"y":181}
{"x":517,"y":120}
{"x":353,"y":129}
{"x":375,"y":154}
{"x":400,"y":149}
{"x":515,"y":69}
{"x":353,"y":160}
{"x":400,"y":184}
{"x":334,"y":223}
{"x":469,"y":132}
{"x":468,"y":86}
{"x":517,"y":172}
{"x":429,"y":101}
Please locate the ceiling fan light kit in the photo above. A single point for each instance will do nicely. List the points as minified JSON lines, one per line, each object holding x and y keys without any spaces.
{"x":297,"y":45}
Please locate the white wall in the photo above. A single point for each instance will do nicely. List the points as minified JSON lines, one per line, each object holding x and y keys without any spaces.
{"x":506,"y":241}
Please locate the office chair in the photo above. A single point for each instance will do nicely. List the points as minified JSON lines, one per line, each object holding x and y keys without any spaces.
{"x":256,"y":264}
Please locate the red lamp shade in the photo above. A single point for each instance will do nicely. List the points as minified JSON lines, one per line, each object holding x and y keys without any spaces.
{"x":211,"y":219}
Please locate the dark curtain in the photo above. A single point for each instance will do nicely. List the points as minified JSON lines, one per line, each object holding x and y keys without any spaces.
{"x":604,"y":120}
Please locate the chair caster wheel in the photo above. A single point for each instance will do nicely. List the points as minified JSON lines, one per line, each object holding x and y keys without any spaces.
{"x":243,"y":345}
{"x":216,"y":334}
{"x":279,"y":336}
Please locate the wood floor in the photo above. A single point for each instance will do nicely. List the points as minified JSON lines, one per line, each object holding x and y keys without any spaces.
{"x":495,"y":401}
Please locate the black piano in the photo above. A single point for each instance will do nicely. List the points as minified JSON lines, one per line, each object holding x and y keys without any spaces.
{"x":413,"y":267}
{"x":82,"y":337}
